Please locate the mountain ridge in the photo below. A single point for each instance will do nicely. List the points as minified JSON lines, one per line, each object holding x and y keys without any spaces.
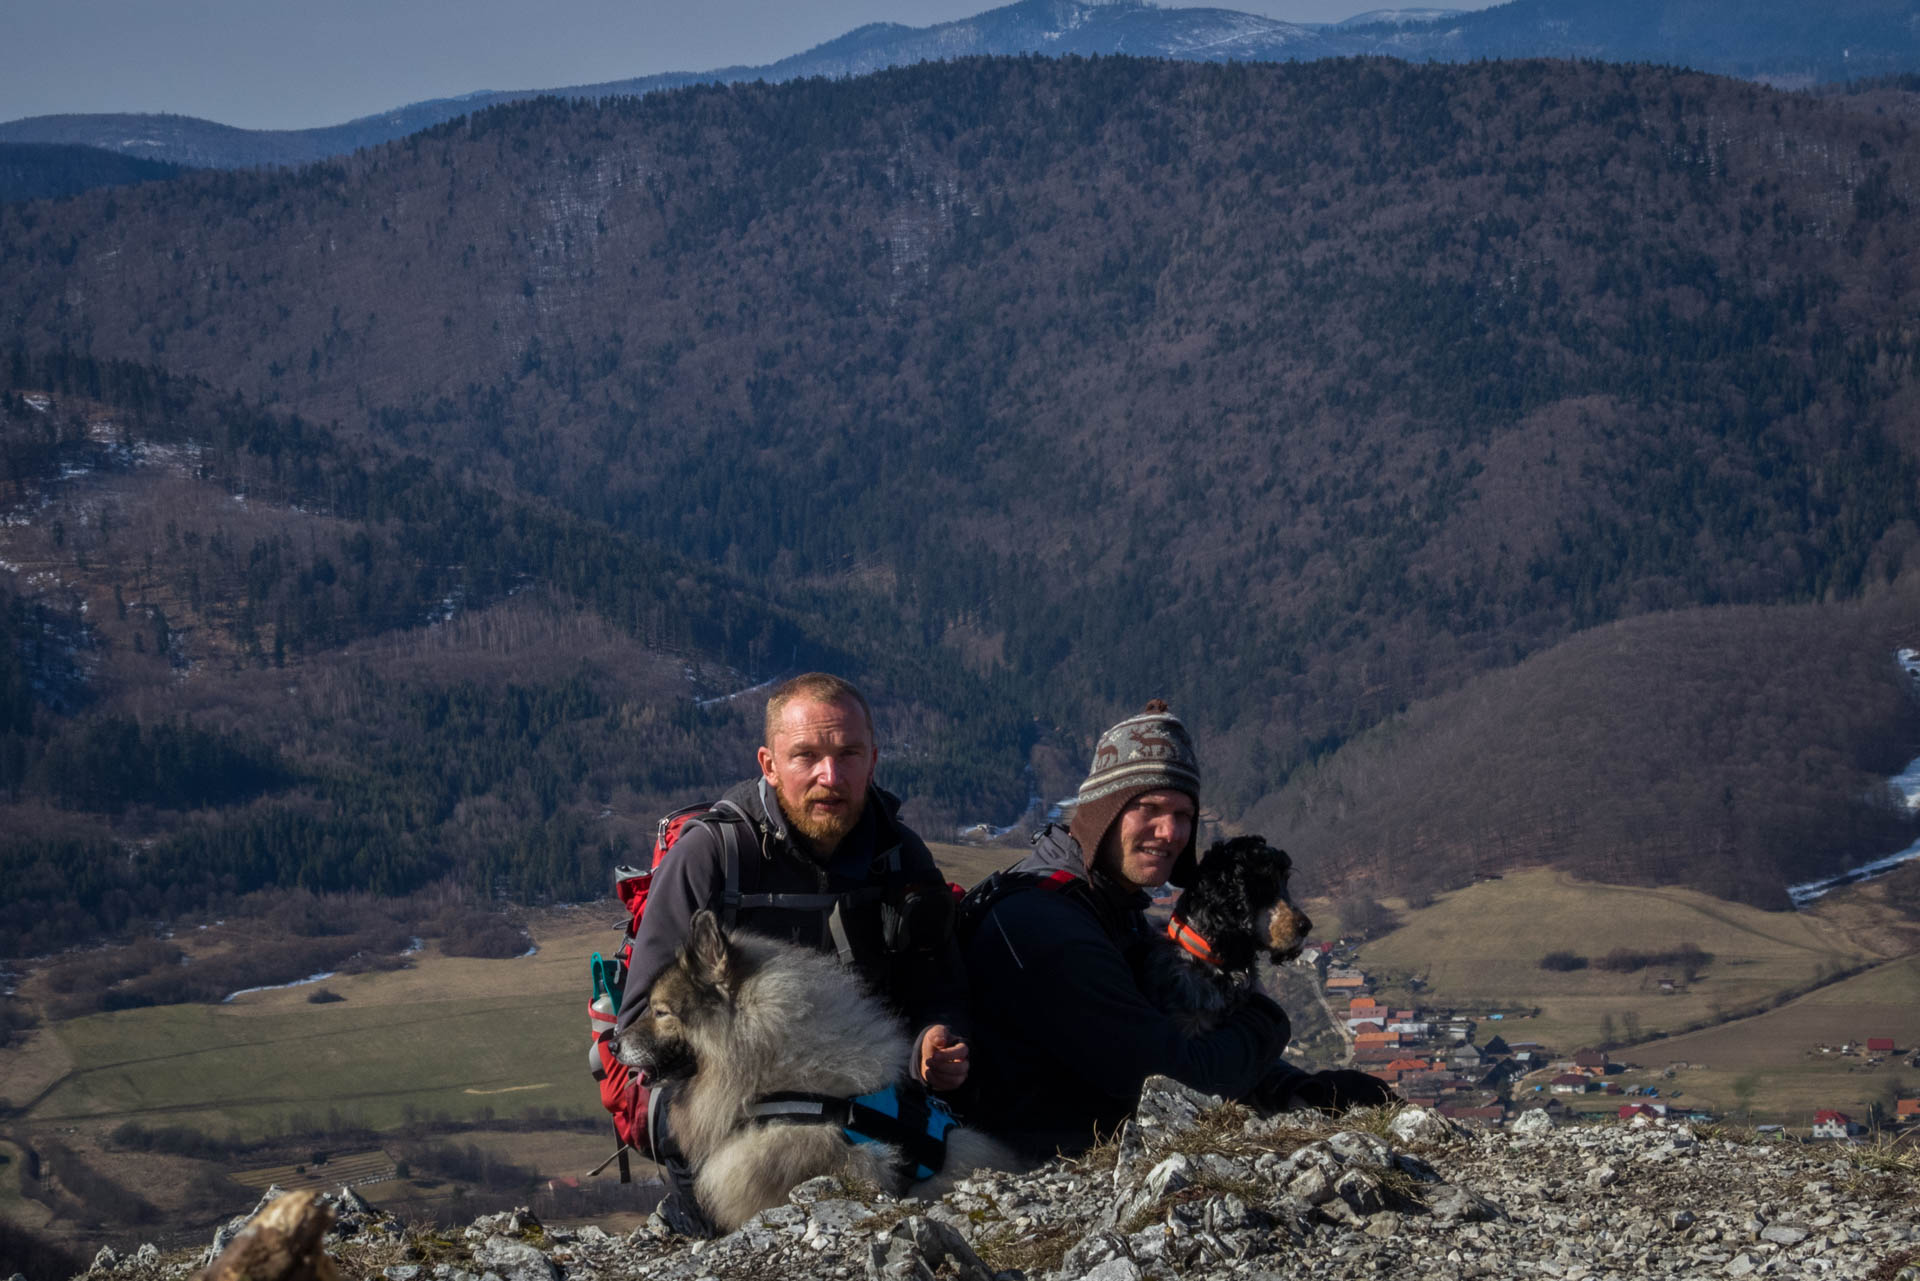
{"x":1775,"y":40}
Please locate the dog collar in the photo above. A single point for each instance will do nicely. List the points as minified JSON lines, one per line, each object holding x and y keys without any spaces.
{"x":1180,"y":932}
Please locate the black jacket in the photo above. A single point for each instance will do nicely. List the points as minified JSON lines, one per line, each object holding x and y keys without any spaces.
{"x":1063,"y":1034}
{"x":924,"y":986}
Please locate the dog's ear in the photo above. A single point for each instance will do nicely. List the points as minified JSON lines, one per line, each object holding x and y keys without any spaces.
{"x":707,"y":949}
{"x":1279,"y":860}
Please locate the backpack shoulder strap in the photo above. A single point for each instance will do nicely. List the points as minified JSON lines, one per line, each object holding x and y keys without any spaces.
{"x":729,"y":820}
{"x":985,"y":896}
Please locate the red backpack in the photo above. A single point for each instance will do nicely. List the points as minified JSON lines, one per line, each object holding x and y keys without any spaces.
{"x":622,"y":1092}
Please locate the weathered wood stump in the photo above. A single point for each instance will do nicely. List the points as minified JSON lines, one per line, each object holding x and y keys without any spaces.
{"x":282,"y":1243}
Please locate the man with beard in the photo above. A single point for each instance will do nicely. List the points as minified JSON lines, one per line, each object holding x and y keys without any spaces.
{"x":812,"y":852}
{"x":1066,"y":1034}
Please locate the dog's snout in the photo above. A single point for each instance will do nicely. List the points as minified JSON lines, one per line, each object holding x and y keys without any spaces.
{"x":1288,"y":932}
{"x":630,"y":1050}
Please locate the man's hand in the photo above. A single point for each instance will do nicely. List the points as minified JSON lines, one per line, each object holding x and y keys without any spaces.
{"x":941,"y":1058}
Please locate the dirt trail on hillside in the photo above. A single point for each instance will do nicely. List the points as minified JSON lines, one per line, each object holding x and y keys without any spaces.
{"x":1700,"y":903}
{"x":1716,"y":1029}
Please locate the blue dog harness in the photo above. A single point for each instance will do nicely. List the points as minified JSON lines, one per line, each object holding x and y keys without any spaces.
{"x":904,"y":1116}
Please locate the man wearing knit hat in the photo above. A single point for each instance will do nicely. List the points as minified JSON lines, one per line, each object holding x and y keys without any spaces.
{"x":1063,"y":1034}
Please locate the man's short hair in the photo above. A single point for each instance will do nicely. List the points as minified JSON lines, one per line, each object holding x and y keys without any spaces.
{"x":814,"y":687}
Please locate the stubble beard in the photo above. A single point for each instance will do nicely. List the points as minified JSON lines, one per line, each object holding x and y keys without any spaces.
{"x":825,"y":832}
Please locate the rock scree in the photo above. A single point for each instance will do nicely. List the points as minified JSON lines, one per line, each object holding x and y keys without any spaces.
{"x":1196,"y":1187}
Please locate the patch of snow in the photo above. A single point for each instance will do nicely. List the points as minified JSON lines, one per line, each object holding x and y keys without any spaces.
{"x":277,"y":987}
{"x":1398,"y":17}
{"x":413,"y":945}
{"x":1805,"y":893}
{"x":739,"y":693}
{"x":36,"y":401}
{"x":532,"y":951}
{"x":1905,"y":785}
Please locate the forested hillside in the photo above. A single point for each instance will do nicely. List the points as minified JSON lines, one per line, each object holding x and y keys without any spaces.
{"x":238,"y":654}
{"x":1724,"y":748}
{"x":45,"y":171}
{"x":1024,"y":390}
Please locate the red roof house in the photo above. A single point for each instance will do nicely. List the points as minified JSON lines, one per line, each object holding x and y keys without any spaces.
{"x":1828,"y":1124}
{"x":1879,"y":1045}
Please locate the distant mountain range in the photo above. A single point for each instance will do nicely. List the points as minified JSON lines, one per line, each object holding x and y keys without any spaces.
{"x":1778,"y":41}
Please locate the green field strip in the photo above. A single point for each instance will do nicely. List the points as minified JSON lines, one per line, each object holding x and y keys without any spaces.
{"x":209,"y":1063}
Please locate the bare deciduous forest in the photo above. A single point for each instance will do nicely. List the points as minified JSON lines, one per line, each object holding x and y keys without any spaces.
{"x":1020,"y":391}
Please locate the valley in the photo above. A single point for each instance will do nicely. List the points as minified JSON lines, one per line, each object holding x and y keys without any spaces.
{"x":486,"y":1057}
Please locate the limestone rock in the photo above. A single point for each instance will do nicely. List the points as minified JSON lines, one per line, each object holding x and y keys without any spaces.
{"x":1170,"y":1107}
{"x":1421,"y":1125}
{"x":514,"y":1260}
{"x":919,"y":1248}
{"x":1536,"y":1121}
{"x":1237,"y":1199}
{"x":814,"y":1190}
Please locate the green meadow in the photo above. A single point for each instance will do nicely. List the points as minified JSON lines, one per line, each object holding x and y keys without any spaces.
{"x":468,"y":1039}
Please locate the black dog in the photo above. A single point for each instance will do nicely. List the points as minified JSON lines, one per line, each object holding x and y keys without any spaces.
{"x":1235,"y":911}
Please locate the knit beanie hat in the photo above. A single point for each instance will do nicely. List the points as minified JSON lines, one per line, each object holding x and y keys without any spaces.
{"x":1145,"y":753}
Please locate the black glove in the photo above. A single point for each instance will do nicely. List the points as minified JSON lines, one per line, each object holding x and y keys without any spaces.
{"x":1333,"y":1091}
{"x":1263,"y":1009}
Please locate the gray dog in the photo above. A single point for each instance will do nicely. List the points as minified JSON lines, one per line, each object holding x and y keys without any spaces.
{"x":793,"y":1070}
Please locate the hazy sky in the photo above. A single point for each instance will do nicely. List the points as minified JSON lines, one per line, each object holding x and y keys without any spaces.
{"x":280,"y":64}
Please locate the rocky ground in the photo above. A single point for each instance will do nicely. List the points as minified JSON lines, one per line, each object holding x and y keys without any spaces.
{"x":1197,"y":1188}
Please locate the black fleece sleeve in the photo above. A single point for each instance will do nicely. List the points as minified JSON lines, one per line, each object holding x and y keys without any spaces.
{"x":1064,"y":995}
{"x":932,"y":985}
{"x":690,"y":878}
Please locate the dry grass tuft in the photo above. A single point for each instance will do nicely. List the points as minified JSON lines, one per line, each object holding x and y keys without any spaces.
{"x":1032,"y":1251}
{"x":1403,"y":1191}
{"x":1204,"y":1185}
{"x":1904,"y":1266}
{"x":1888,"y":1168}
